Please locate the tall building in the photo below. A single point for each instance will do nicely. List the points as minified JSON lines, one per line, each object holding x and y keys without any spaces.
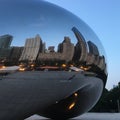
{"x":43,"y":47}
{"x":51,"y":48}
{"x":5,"y":41}
{"x":81,"y":46}
{"x":65,"y":52}
{"x":102,"y":64}
{"x":5,"y":53}
{"x":93,"y":49}
{"x":15,"y":54}
{"x":67,"y":49}
{"x":5,"y":50}
{"x":90,"y":59}
{"x":93,"y":55}
{"x":31,"y":49}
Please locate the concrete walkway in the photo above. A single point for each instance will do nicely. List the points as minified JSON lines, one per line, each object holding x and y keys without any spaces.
{"x":87,"y":116}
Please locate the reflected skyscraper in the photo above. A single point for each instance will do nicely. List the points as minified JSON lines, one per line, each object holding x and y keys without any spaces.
{"x":5,"y":41}
{"x":102,"y":64}
{"x":81,"y":46}
{"x":67,"y":49}
{"x":32,"y":47}
{"x":93,"y":49}
{"x":51,"y":49}
{"x":15,"y":54}
{"x":65,"y":52}
{"x":5,"y":50}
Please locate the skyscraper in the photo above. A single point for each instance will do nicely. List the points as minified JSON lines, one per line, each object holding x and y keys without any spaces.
{"x":93,"y":49}
{"x":31,"y":49}
{"x":15,"y":54}
{"x":81,"y":46}
{"x":67,"y":49}
{"x":5,"y":41}
{"x":51,"y":48}
{"x":65,"y":52}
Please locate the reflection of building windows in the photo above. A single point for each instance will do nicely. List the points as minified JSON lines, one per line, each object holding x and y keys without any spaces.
{"x":15,"y":54}
{"x":65,"y":52}
{"x":5,"y":53}
{"x":43,"y":47}
{"x":102,"y":63}
{"x":81,"y":46}
{"x":5,"y":41}
{"x":93,"y":49}
{"x":94,"y":57}
{"x":5,"y":49}
{"x":31,"y":49}
{"x":90,"y":59}
{"x":51,"y":49}
{"x":67,"y":49}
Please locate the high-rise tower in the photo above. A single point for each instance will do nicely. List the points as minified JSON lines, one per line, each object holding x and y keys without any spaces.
{"x":31,"y":49}
{"x":81,"y":46}
{"x":5,"y":41}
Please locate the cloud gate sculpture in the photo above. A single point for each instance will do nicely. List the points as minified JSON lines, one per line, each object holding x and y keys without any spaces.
{"x":51,"y":63}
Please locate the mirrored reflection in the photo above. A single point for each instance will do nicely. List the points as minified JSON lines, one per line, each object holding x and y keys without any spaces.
{"x":34,"y":55}
{"x":45,"y":46}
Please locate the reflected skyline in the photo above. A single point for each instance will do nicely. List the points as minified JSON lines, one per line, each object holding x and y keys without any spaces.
{"x":42,"y":23}
{"x":50,"y":61}
{"x":34,"y":49}
{"x":84,"y":55}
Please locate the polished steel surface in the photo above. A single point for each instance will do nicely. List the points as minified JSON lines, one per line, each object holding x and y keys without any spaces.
{"x":42,"y":39}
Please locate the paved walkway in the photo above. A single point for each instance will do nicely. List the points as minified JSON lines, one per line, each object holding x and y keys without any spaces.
{"x":99,"y":116}
{"x":87,"y":116}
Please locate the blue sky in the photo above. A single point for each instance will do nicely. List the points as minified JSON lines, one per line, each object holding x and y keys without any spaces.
{"x":104,"y":18}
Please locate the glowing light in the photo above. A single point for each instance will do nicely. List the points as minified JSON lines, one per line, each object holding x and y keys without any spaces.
{"x":75,"y":94}
{"x":85,"y":68}
{"x":20,"y":65}
{"x":3,"y":67}
{"x":81,"y":67}
{"x":32,"y":65}
{"x":71,"y":65}
{"x":71,"y":106}
{"x":21,"y":69}
{"x":63,"y":65}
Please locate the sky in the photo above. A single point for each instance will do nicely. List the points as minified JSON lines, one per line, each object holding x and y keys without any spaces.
{"x":104,"y":18}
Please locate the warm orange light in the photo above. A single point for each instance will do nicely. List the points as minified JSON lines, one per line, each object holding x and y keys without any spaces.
{"x":75,"y":94}
{"x":3,"y":67}
{"x":71,"y":106}
{"x":63,"y":65}
{"x":21,"y":69}
{"x":85,"y":68}
{"x":32,"y":65}
{"x":81,"y":67}
{"x":71,"y":65}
